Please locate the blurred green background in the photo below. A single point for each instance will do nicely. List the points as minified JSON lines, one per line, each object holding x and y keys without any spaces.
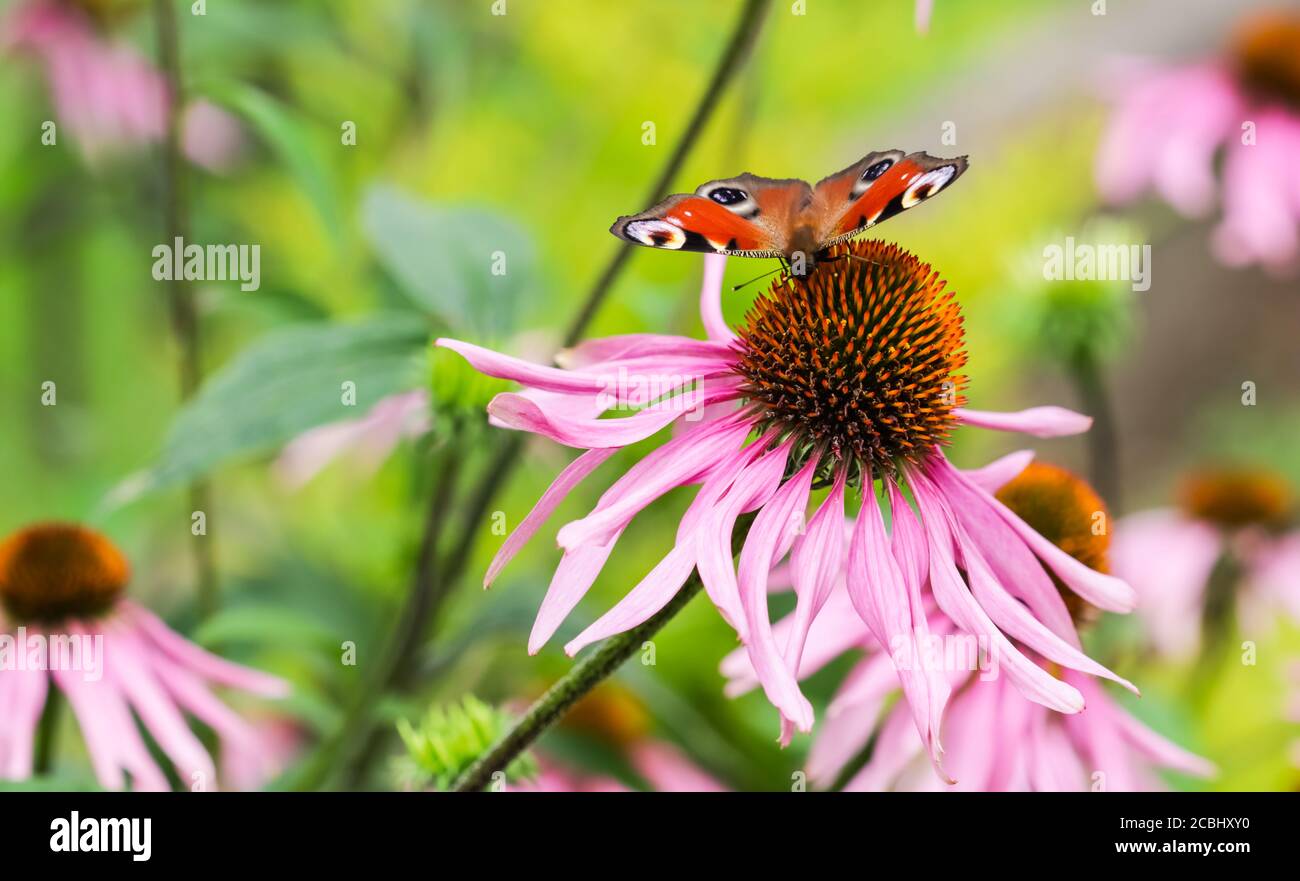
{"x":527,"y":128}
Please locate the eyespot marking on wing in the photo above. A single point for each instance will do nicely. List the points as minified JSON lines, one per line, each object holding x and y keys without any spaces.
{"x":734,"y":199}
{"x":928,"y":184}
{"x":656,"y":234}
{"x":872,"y":173}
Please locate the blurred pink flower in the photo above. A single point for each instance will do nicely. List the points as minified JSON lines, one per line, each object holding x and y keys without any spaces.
{"x":1169,"y":555}
{"x":843,"y":377}
{"x":995,"y":739}
{"x":663,"y":766}
{"x":923,"y":10}
{"x":109,"y":97}
{"x":368,"y":440}
{"x":66,"y":621}
{"x":1170,"y":123}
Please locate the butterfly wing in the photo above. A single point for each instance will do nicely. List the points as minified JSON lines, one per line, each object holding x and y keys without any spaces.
{"x":745,"y":216}
{"x":877,"y":187}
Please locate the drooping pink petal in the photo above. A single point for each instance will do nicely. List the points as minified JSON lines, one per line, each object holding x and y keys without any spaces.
{"x":212,"y":668}
{"x":592,"y":355}
{"x":1103,"y":591}
{"x":769,"y":538}
{"x":667,"y":769}
{"x":1015,"y":566}
{"x":958,"y":604}
{"x":22,"y":699}
{"x":1035,"y":421}
{"x":922,"y":12}
{"x":1015,"y":619}
{"x":849,"y":723}
{"x":880,"y":595}
{"x":998,"y":473}
{"x":572,"y":475}
{"x":129,"y":662}
{"x":681,"y":460}
{"x":1261,"y":222}
{"x":535,"y":375}
{"x":715,"y":326}
{"x":896,"y":747}
{"x":1160,"y":750}
{"x":654,"y":591}
{"x":816,"y":563}
{"x":1054,"y":765}
{"x":573,"y":577}
{"x":753,"y":487}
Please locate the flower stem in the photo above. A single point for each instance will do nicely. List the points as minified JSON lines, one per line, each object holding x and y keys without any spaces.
{"x":560,"y":697}
{"x":180,"y":298}
{"x":1103,"y":443}
{"x":585,"y":675}
{"x":430,"y":592}
{"x":46,"y":732}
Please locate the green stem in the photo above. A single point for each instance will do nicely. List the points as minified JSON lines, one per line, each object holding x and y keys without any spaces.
{"x":431,"y":592}
{"x":1102,"y":440}
{"x":180,"y":298}
{"x":585,"y":675}
{"x":47,"y":732}
{"x":560,"y":697}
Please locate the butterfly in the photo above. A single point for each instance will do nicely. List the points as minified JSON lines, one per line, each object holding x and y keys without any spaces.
{"x":752,"y":216}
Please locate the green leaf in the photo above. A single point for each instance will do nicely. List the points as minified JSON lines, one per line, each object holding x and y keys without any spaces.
{"x":469,"y":266}
{"x":280,"y":127}
{"x":288,"y":381}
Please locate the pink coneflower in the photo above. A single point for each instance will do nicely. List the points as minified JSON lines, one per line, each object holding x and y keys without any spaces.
{"x":368,"y":441}
{"x":1233,"y":518}
{"x":1171,"y":122}
{"x":996,"y":739}
{"x":106,"y":95}
{"x":840,"y":379}
{"x":66,"y":620}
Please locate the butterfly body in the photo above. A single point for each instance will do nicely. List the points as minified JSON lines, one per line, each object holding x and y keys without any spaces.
{"x":753,"y":216}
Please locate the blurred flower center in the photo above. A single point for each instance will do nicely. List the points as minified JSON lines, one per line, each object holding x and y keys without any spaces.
{"x":859,"y":357}
{"x":611,"y":715}
{"x":1266,"y":56}
{"x":55,"y":571}
{"x":1064,"y":509}
{"x":1236,"y":497}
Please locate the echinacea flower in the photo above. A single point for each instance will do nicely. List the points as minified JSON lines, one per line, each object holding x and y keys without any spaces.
{"x":995,"y":738}
{"x":1226,"y":514}
{"x":1171,"y":122}
{"x":106,"y":94}
{"x":65,"y":620}
{"x":841,"y":378}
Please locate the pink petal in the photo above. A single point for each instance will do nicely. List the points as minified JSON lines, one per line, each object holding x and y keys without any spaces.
{"x":573,"y":577}
{"x":1036,"y":421}
{"x":680,"y":461}
{"x":1103,"y":591}
{"x":573,"y":474}
{"x":181,"y":651}
{"x":715,"y":326}
{"x":817,"y":563}
{"x":667,"y":769}
{"x":880,"y":596}
{"x":998,"y":473}
{"x":22,"y":699}
{"x":769,"y":538}
{"x":959,"y":605}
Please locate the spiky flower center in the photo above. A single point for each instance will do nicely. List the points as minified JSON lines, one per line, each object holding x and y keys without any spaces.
{"x":1266,"y":56}
{"x":858,"y":359}
{"x":1065,"y":510}
{"x":1236,"y":497}
{"x":55,"y":571}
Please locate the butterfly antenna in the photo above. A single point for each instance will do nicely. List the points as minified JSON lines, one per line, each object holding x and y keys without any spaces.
{"x":756,"y":278}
